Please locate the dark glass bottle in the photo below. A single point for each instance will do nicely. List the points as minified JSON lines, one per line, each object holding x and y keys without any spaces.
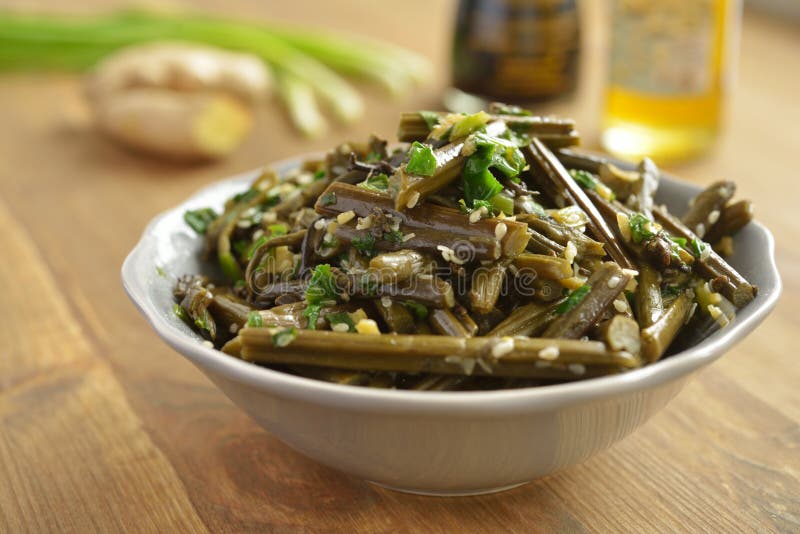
{"x":516,"y":50}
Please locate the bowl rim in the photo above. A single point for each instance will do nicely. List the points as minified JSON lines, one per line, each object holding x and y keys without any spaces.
{"x":464,"y":403}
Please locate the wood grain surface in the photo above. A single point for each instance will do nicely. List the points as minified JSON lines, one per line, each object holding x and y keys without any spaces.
{"x":103,"y":428}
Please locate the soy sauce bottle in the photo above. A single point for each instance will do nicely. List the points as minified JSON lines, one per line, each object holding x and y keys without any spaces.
{"x":517,"y":51}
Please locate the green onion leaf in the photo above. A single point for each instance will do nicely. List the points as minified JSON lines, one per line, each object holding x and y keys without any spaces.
{"x":321,"y":289}
{"x":574,"y":299}
{"x":506,"y":109}
{"x":419,"y":311}
{"x":421,"y":161}
{"x":641,"y":228}
{"x":199,"y":219}
{"x":319,"y":175}
{"x":376,"y":182}
{"x":181,"y":314}
{"x":469,"y":124}
{"x":584,"y":179}
{"x":254,"y":319}
{"x":431,"y":118}
{"x":335,"y":318}
{"x":698,"y":247}
{"x":283,"y":337}
{"x":679,"y":240}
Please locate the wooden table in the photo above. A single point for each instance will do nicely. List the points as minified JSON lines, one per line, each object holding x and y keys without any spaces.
{"x":104,"y":428}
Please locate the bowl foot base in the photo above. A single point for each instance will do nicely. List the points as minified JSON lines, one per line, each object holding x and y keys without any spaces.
{"x":450,"y":493}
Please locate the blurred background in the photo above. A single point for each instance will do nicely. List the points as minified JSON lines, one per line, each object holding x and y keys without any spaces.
{"x":664,"y":79}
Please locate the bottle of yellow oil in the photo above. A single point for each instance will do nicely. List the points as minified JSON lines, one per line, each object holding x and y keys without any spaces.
{"x":670,"y":68}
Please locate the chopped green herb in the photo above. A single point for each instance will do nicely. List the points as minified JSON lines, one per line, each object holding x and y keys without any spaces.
{"x":376,"y":182}
{"x":180,"y":313}
{"x":160,"y":272}
{"x":277,"y":229}
{"x":506,"y":109}
{"x":203,"y":322}
{"x":281,"y":338}
{"x":335,"y":318}
{"x":199,"y":219}
{"x":431,"y":118}
{"x":641,"y":228}
{"x":502,"y":204}
{"x":492,"y":153}
{"x":373,"y":157}
{"x":698,"y":248}
{"x":229,"y":265}
{"x":395,"y":236}
{"x":255,"y":246}
{"x":469,"y":124}
{"x":328,"y":199}
{"x":321,"y":289}
{"x":244,"y":196}
{"x":679,"y":240}
{"x":584,"y":179}
{"x":421,"y":161}
{"x":365,"y":244}
{"x":574,"y":299}
{"x":419,"y":311}
{"x":255,"y":320}
{"x":319,"y":175}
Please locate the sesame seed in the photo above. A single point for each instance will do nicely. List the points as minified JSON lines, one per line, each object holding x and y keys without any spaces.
{"x":364,"y":223}
{"x":620,"y":305}
{"x":550,"y":352}
{"x":346,"y":217}
{"x":577,"y":368}
{"x":386,"y":302}
{"x":503,"y":347}
{"x":413,"y":199}
{"x":319,"y":224}
{"x":500,"y":230}
{"x":570,"y":251}
{"x":258,"y":234}
{"x":713,"y":217}
{"x":476,"y":215}
{"x":233,"y":328}
{"x":409,"y":236}
{"x":207,"y":343}
{"x":624,"y":226}
{"x":269,"y":217}
{"x":613,"y":282}
{"x":340,"y":327}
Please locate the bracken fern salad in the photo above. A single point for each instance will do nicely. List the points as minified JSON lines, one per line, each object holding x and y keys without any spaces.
{"x":483,"y":253}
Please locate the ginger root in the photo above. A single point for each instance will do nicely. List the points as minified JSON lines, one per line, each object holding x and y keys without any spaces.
{"x":179,"y":101}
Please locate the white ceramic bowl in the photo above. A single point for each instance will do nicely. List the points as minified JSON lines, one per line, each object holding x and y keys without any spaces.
{"x":443,"y":443}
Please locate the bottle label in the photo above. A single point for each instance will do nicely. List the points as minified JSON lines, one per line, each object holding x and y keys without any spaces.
{"x":663,"y":47}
